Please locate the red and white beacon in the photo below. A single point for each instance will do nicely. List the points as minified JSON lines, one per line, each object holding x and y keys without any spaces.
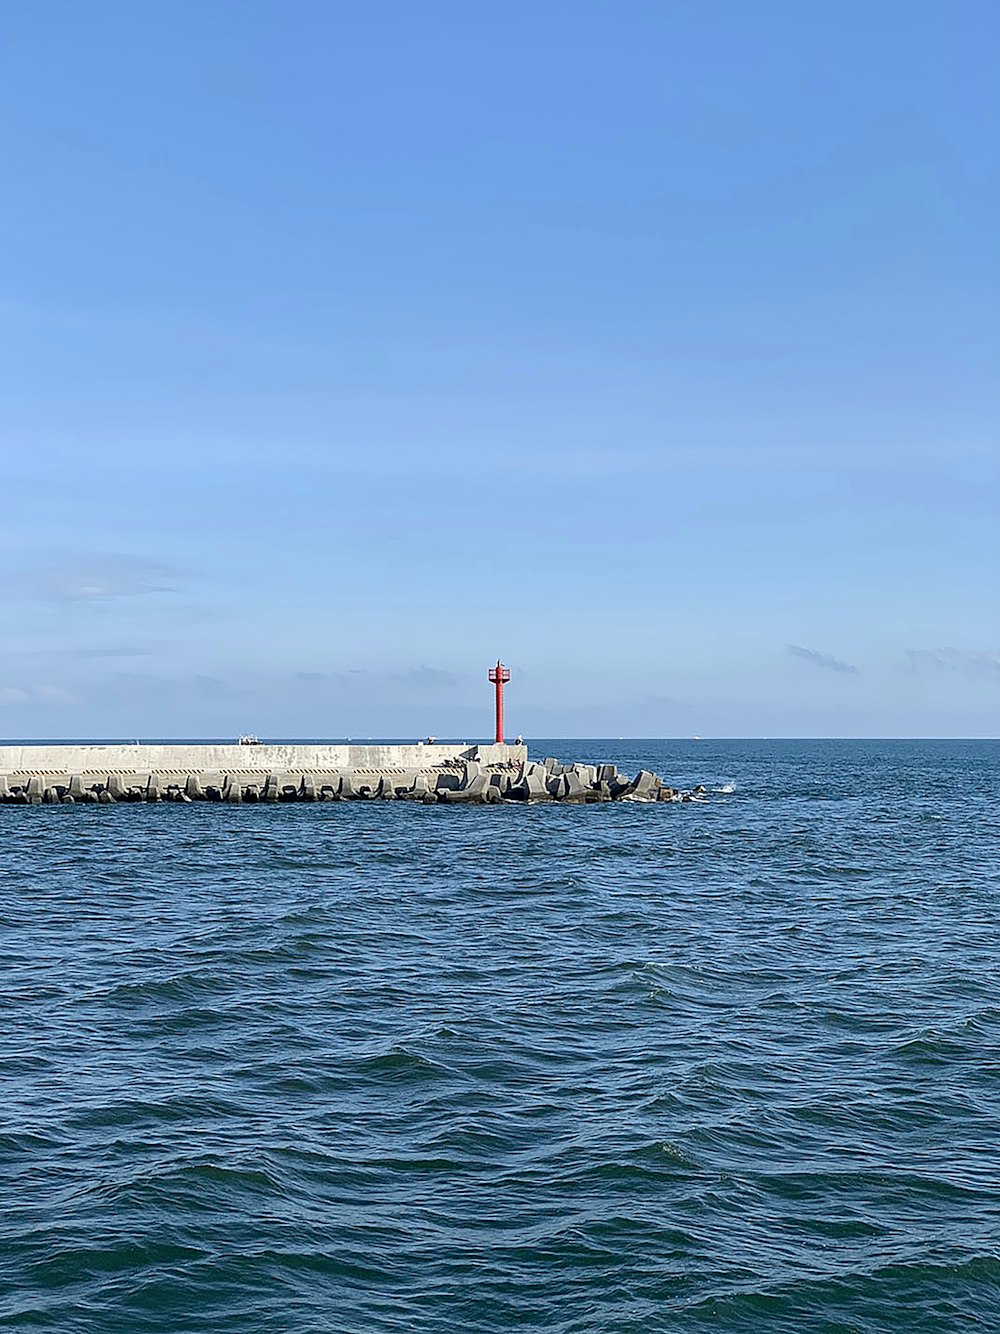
{"x":499,"y":675}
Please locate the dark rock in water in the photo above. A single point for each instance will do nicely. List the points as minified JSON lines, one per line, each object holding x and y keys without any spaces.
{"x":575,"y":789}
{"x":453,"y":796}
{"x":644,"y":786}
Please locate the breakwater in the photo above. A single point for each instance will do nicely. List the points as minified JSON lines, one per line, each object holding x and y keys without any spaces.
{"x":106,"y":774}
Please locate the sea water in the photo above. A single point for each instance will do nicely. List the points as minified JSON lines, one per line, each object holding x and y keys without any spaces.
{"x":728,"y":1066}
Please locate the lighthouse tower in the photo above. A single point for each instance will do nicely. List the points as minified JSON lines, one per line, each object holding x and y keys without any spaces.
{"x":499,"y":675}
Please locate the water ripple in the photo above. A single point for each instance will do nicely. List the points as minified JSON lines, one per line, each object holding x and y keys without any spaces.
{"x":370,"y":1068}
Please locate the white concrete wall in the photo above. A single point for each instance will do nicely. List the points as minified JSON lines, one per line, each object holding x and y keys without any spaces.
{"x":264,"y":759}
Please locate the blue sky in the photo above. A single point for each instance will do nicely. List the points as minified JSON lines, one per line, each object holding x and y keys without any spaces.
{"x":347,"y":346}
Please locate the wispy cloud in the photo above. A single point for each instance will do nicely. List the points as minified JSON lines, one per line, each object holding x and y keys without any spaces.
{"x":826,"y":660}
{"x":418,"y":678}
{"x":970,"y":662}
{"x":111,"y":651}
{"x":426,"y":678}
{"x":36,"y":694}
{"x":142,"y":683}
{"x":88,"y":578}
{"x":352,"y":676}
{"x":76,"y":653}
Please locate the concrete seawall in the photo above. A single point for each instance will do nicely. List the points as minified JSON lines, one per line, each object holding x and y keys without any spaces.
{"x":106,"y":774}
{"x":197,"y":757}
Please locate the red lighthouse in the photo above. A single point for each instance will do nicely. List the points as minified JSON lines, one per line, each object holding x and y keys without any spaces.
{"x":499,"y":675}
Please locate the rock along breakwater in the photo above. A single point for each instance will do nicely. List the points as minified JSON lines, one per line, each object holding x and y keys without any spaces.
{"x":107,"y":774}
